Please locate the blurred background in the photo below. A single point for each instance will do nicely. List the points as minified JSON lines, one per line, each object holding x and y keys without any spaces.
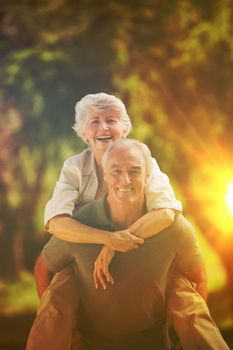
{"x":171,"y":62}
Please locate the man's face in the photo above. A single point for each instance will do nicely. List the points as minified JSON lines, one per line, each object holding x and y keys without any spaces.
{"x":125,"y":174}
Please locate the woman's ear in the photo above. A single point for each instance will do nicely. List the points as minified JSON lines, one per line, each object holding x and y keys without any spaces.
{"x":124,"y":134}
{"x":148,"y":178}
{"x":84,"y":137}
{"x":124,"y":131}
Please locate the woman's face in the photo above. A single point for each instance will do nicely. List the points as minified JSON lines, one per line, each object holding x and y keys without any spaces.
{"x":102,"y":129}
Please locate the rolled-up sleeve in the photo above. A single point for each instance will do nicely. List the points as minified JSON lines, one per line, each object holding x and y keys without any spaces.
{"x":159,"y":193}
{"x":56,"y":254}
{"x":65,"y":194}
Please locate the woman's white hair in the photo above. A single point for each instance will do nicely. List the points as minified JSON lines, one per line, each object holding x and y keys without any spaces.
{"x":128,"y":144}
{"x":102,"y":102}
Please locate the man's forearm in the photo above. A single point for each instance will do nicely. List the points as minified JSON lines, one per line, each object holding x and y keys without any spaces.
{"x":42,"y":275}
{"x":153,"y":222}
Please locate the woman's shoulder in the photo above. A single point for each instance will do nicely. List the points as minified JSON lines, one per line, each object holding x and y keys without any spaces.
{"x":78,"y":159}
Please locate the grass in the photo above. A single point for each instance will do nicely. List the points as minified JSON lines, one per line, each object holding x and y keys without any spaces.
{"x":20,"y":296}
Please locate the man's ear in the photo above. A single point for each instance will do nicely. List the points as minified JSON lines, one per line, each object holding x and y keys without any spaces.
{"x":105,"y":177}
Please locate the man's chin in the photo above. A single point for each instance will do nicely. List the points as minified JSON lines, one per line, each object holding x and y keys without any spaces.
{"x":126,"y":196}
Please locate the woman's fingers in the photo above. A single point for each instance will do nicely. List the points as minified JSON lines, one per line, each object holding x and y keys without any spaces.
{"x":98,"y":274}
{"x":101,"y":274}
{"x":108,"y":276}
{"x":96,"y":281}
{"x":124,"y":241}
{"x":101,"y":279}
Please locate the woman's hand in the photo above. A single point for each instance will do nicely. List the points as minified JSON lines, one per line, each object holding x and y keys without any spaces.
{"x":101,"y":273}
{"x":124,"y":240}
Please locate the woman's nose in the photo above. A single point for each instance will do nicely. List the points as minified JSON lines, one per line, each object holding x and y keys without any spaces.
{"x":103,"y":126}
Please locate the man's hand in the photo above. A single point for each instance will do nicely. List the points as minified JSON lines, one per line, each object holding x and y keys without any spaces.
{"x":101,"y":273}
{"x":124,"y":240}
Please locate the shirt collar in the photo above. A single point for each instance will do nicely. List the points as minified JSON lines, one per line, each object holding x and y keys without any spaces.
{"x":89,"y":165}
{"x":103,"y":215}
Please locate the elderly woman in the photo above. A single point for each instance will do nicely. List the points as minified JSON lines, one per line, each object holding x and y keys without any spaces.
{"x":100,"y":120}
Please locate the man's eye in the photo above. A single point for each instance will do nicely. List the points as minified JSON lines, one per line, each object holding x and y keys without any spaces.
{"x":134,"y":172}
{"x":116,"y":172}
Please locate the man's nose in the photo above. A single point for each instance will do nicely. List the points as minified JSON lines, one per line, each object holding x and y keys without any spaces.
{"x":126,"y":178}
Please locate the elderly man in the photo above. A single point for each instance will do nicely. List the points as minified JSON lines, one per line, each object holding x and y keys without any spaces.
{"x":131,"y":313}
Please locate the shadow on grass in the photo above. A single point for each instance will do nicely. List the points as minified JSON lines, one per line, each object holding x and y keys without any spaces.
{"x":14,"y":331}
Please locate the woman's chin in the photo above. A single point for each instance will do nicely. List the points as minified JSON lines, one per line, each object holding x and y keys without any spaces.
{"x":103,"y":145}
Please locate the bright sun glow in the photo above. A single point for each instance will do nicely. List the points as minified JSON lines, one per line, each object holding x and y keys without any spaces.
{"x":217,"y":195}
{"x":229,"y":197}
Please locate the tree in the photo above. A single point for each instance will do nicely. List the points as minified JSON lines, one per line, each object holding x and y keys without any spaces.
{"x":48,"y":61}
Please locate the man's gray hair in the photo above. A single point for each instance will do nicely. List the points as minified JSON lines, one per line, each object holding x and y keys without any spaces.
{"x":102,"y":102}
{"x":128,"y":144}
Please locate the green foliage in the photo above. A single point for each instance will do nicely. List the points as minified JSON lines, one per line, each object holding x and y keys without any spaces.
{"x":20,"y":296}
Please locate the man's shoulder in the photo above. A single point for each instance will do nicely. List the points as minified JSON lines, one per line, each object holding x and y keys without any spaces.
{"x":181,"y":227}
{"x":181,"y":222}
{"x":185,"y":233}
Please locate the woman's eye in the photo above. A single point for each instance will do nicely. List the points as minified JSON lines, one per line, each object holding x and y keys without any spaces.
{"x":111,"y":121}
{"x":94,"y":121}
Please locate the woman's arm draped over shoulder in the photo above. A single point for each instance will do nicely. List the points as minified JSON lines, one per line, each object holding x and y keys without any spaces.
{"x":77,"y":232}
{"x":153,"y":222}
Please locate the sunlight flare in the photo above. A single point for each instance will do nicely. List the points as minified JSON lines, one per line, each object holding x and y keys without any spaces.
{"x":229,"y":197}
